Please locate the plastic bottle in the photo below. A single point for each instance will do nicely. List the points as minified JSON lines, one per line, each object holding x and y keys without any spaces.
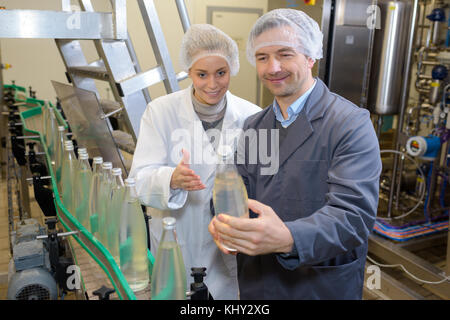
{"x":229,"y":192}
{"x":44,"y":118}
{"x":133,"y":240}
{"x":68,"y":172}
{"x":83,"y":181}
{"x":169,"y":274}
{"x":112,"y":218}
{"x":51,"y":132}
{"x":104,"y":198}
{"x":59,"y":151}
{"x":94,"y":195}
{"x":64,"y":152}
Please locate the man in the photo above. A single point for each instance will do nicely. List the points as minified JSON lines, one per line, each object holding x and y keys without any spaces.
{"x":311,"y":220}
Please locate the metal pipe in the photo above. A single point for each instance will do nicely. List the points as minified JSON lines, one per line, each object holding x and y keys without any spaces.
{"x":181,"y":6}
{"x":41,"y":178}
{"x":62,"y":234}
{"x":111,"y":113}
{"x":404,"y":99}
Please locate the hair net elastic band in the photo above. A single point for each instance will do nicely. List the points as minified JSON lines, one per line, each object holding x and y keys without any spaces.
{"x":275,"y":43}
{"x":209,"y":54}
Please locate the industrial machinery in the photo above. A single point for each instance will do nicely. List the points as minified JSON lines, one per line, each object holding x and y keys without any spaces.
{"x":400,"y":57}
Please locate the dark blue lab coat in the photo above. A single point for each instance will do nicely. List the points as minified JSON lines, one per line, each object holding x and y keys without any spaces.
{"x":326,"y":192}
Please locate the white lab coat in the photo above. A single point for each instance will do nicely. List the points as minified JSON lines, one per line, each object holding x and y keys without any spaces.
{"x":169,"y":124}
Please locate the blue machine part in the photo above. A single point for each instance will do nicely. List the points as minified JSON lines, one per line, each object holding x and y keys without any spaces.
{"x":437,"y":14}
{"x":447,"y":40}
{"x":426,"y":148}
{"x":439,"y":72}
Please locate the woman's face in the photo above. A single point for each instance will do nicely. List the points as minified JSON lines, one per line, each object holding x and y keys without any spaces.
{"x":210,"y":77}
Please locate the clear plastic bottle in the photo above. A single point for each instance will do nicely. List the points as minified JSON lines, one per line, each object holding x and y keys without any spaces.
{"x":83,"y":180}
{"x":104,"y":198}
{"x":94,"y":197}
{"x":44,"y":118}
{"x":51,"y":132}
{"x":112,"y":219}
{"x":133,"y":240}
{"x":229,"y":192}
{"x":64,"y":152}
{"x":59,"y":151}
{"x":68,"y":173}
{"x":169,"y":274}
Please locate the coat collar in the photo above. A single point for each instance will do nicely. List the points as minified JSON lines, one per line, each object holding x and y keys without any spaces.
{"x":189,"y":115}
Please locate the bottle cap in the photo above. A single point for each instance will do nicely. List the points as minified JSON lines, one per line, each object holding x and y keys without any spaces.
{"x":130,"y":182}
{"x":69,"y":147}
{"x":82,"y":150}
{"x":117,"y":171}
{"x":169,"y":222}
{"x":98,"y":160}
{"x":68,"y":142}
{"x":61,"y":128}
{"x":107,"y":165}
{"x":84,"y":156}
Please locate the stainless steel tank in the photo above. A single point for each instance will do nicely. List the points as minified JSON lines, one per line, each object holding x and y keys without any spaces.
{"x":388,"y":57}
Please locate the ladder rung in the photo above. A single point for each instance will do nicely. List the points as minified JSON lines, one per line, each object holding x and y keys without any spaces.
{"x":181,"y":76}
{"x":92,"y":72}
{"x":141,"y":81}
{"x":144,"y":80}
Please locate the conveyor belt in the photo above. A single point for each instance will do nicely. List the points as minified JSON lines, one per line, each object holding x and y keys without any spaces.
{"x":93,"y":277}
{"x":96,"y":263}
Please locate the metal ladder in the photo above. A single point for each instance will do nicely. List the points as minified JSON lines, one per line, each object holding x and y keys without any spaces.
{"x":118,"y":63}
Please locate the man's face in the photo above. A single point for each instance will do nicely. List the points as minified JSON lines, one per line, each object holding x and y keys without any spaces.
{"x":282,"y":69}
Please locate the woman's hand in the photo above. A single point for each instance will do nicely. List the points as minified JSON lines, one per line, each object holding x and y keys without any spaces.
{"x":185,"y":178}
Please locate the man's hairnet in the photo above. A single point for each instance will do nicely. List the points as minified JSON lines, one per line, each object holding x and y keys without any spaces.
{"x":296,"y":30}
{"x":202,"y":40}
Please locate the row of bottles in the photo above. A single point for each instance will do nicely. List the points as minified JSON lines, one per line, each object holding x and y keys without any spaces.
{"x":109,"y":208}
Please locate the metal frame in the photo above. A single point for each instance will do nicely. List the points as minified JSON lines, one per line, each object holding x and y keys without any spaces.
{"x":160,"y":49}
{"x":209,"y":15}
{"x":394,"y":254}
{"x":58,"y":25}
{"x":3,"y":122}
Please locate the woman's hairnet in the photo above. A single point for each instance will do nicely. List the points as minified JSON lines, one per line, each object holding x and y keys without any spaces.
{"x":297,"y":30}
{"x":202,"y":40}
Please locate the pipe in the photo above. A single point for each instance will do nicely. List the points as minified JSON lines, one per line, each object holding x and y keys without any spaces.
{"x":396,"y":152}
{"x":181,"y":6}
{"x":404,"y":99}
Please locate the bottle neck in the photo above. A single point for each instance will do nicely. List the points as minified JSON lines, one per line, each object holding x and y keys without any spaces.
{"x":97,"y":167}
{"x":84,"y":164}
{"x":71,"y":154}
{"x":169,"y":235}
{"x":131,"y":194}
{"x":106,"y":174}
{"x":119,"y":181}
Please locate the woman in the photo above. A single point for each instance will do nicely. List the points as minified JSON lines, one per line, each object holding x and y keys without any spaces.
{"x":174,"y":162}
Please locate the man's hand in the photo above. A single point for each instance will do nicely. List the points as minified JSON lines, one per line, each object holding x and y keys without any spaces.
{"x":262,"y":235}
{"x":185,"y":178}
